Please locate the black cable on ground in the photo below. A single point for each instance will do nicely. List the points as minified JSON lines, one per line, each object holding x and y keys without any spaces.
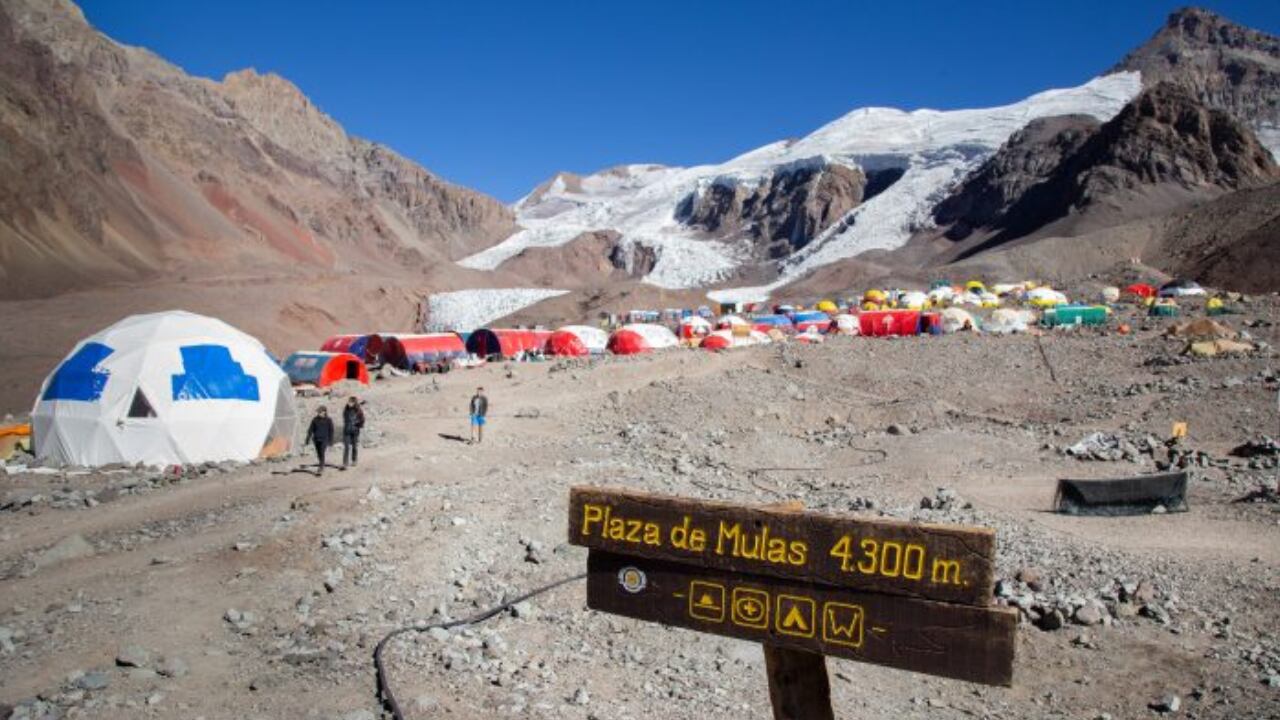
{"x":388,"y":698}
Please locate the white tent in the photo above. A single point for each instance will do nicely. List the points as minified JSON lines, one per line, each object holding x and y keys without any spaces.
{"x":914,"y":300}
{"x":1005,"y":320}
{"x":725,"y":339}
{"x":694,"y":326}
{"x":165,"y":389}
{"x":1046,"y":297}
{"x":641,"y":338}
{"x":846,"y":324}
{"x":955,"y":320}
{"x":942,"y":295}
{"x":577,"y":340}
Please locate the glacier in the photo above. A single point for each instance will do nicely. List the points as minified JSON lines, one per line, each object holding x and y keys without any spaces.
{"x":937,"y":150}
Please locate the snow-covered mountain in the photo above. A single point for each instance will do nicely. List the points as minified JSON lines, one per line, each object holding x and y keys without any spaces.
{"x":930,"y":152}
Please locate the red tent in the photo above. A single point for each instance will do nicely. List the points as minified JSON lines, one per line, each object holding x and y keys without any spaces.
{"x":323,"y":369}
{"x":487,"y":342}
{"x":577,"y":341}
{"x":366,"y":347}
{"x":716,"y":342}
{"x":1141,"y":290}
{"x":405,"y":351}
{"x":879,"y":323}
{"x":641,"y":338}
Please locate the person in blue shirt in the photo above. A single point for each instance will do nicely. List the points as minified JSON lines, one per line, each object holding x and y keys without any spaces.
{"x":479,"y":409}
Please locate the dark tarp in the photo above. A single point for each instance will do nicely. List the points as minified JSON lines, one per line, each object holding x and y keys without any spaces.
{"x":1123,"y":496}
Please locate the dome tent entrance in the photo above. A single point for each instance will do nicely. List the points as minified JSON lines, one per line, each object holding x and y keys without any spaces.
{"x":323,"y":369}
{"x":506,"y":343}
{"x":165,"y":389}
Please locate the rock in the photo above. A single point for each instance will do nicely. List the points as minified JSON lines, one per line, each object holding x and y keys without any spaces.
{"x":896,"y":429}
{"x":243,"y":546}
{"x":72,"y":547}
{"x":1125,"y":610}
{"x":581,"y":697}
{"x":1089,"y":614}
{"x":133,"y":656}
{"x":332,"y":579}
{"x":522,"y":609}
{"x":1166,"y":704}
{"x":1051,"y":620}
{"x":1144,"y":593}
{"x":534,"y":552}
{"x":6,"y":640}
{"x":172,"y":667}
{"x":93,"y":681}
{"x":1031,"y":577}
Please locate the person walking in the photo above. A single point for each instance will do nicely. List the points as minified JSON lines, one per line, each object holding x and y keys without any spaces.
{"x":479,"y":409}
{"x":320,"y":432}
{"x":352,"y":424}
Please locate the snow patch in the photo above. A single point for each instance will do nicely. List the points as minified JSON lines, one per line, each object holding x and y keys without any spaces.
{"x":1269,"y":136}
{"x":466,"y":310}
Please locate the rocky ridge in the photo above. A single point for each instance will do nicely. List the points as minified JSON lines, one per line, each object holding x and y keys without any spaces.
{"x":1062,"y":167}
{"x":122,"y":166}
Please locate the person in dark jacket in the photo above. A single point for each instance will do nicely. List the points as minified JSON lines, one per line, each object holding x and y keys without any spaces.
{"x":352,"y":424}
{"x":321,"y":433}
{"x":479,"y":409}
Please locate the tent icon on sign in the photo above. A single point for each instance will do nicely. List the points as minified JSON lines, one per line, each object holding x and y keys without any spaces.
{"x":706,"y":601}
{"x":795,"y":616}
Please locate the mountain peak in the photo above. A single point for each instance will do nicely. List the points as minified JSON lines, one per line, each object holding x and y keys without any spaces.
{"x":1224,"y":65}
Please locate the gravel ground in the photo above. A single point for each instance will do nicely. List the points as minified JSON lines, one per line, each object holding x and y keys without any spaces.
{"x":260,"y":591}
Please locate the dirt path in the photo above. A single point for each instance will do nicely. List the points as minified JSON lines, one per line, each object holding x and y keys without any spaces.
{"x":430,"y":527}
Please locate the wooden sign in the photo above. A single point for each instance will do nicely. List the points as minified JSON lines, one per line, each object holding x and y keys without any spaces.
{"x":915,"y":560}
{"x":956,"y":641}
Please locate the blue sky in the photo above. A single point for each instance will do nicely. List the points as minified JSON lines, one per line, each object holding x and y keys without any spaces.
{"x":499,"y":95}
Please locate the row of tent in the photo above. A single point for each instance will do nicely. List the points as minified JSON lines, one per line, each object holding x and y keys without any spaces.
{"x":346,"y":357}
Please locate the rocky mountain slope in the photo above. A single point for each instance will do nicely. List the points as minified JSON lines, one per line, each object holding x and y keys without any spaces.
{"x":1226,"y":66}
{"x":1164,"y":150}
{"x":1231,"y":242}
{"x":119,"y":166}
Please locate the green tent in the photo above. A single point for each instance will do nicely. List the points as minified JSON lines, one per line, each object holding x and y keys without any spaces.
{"x":1074,"y":315}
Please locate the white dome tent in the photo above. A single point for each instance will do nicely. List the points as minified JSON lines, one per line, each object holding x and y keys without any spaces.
{"x":165,"y":389}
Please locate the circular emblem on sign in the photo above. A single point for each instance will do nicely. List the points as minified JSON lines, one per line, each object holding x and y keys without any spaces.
{"x":632,"y":579}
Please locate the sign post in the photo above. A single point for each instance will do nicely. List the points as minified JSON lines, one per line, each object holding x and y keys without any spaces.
{"x":911,"y":596}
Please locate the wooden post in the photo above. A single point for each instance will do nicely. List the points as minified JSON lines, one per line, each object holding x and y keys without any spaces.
{"x":798,"y":685}
{"x":799,"y":688}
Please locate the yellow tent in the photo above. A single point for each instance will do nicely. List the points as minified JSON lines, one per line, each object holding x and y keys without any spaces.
{"x":826,"y":306}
